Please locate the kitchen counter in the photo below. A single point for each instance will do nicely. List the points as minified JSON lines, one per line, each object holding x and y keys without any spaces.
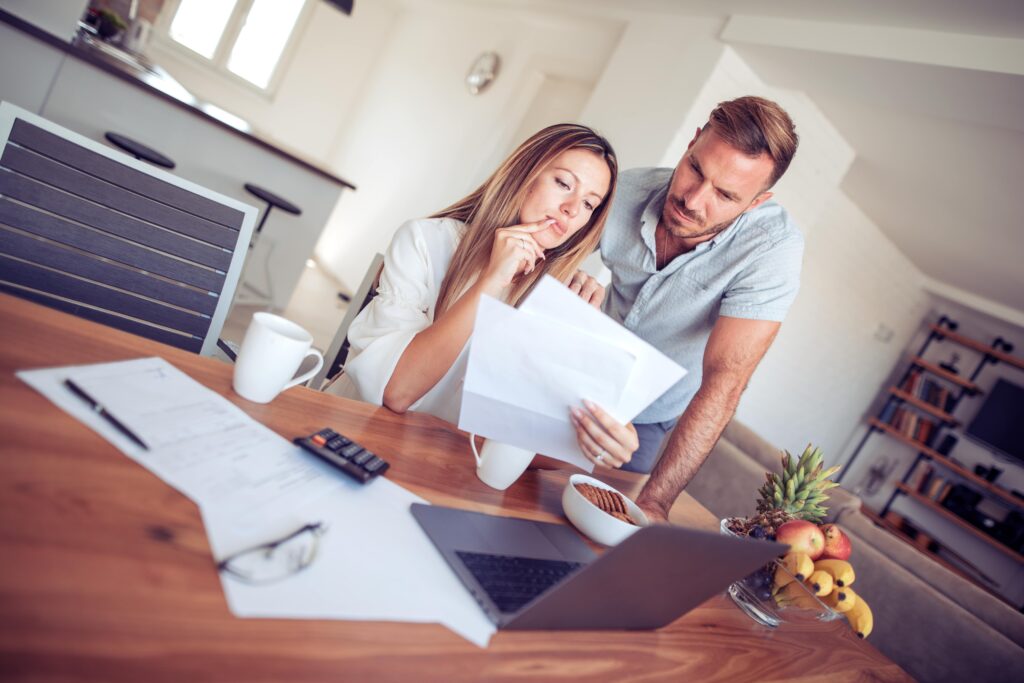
{"x":157,"y":82}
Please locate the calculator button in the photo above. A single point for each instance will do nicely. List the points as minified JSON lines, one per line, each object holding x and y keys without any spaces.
{"x":373,"y":464}
{"x":326,"y":434}
{"x":350,"y":450}
{"x":337,"y":442}
{"x":363,"y":457}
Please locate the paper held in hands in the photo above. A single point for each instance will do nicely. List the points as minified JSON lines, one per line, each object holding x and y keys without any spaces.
{"x":528,"y":366}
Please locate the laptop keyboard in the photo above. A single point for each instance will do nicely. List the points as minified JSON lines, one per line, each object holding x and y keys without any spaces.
{"x":511,"y":582}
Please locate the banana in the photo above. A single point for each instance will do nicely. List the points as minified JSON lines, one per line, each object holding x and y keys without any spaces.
{"x":860,"y":618}
{"x":794,"y":594}
{"x":841,"y":571}
{"x":820,"y":582}
{"x":799,"y":565}
{"x":840,"y":599}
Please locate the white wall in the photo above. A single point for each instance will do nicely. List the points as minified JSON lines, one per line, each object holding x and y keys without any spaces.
{"x":657,"y":71}
{"x":420,"y":141}
{"x":826,"y":365}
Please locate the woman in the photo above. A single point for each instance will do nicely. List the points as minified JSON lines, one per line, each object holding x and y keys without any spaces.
{"x":540,"y":213}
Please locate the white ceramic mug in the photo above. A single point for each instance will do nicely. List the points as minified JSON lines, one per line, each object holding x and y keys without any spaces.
{"x":271,"y":353}
{"x":498,"y":464}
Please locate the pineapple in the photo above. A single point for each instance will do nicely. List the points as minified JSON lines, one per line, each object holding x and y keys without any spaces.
{"x":798,"y":493}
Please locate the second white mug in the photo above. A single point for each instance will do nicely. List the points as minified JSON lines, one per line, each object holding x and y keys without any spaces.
{"x":271,"y":353}
{"x":498,"y":464}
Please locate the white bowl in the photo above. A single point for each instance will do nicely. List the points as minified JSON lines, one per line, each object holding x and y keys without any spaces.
{"x":594,"y":522}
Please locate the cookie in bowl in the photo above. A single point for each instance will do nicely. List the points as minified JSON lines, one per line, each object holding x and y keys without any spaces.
{"x":599,"y":511}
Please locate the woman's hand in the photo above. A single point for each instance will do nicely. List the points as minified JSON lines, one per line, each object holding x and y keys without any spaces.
{"x":603,"y":440}
{"x":514,"y":251}
{"x":588,"y":288}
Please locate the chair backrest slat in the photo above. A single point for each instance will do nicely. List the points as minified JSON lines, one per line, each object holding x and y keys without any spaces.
{"x":53,"y":146}
{"x":34,"y":193}
{"x":50,"y":255}
{"x":98,"y":296}
{"x":112,"y":196}
{"x":89,"y":230}
{"x":181,"y":341}
{"x":73,"y":235}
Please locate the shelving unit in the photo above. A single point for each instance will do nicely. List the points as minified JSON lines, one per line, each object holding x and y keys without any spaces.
{"x":922,"y":542}
{"x":904,"y":409}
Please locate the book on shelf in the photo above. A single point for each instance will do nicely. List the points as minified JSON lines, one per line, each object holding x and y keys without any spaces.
{"x":921,"y":475}
{"x":944,"y":492}
{"x":912,"y":381}
{"x":911,"y":425}
{"x":935,"y":487}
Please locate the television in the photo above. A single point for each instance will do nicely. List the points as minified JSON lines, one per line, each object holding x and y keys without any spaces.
{"x":999,"y":424}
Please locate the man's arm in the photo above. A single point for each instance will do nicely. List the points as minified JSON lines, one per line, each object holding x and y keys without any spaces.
{"x":734,"y":349}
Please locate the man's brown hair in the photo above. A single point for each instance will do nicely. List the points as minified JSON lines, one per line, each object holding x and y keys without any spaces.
{"x":754,"y":125}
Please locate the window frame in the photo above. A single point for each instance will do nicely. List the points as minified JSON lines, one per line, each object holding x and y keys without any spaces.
{"x":222,"y":53}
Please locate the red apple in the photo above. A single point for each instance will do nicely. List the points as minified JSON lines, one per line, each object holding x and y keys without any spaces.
{"x":837,"y":544}
{"x":802,"y":537}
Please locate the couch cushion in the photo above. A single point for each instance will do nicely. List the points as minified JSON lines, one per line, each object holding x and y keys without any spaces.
{"x":743,"y":437}
{"x":923,"y":631}
{"x":981,"y":604}
{"x":727,"y":483}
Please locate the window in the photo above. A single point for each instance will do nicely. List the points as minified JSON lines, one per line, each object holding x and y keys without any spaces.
{"x":245,"y":37}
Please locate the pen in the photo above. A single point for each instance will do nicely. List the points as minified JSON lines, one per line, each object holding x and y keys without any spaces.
{"x":104,"y":413}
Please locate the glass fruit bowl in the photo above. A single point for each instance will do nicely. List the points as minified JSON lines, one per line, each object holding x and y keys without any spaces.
{"x":753,"y":595}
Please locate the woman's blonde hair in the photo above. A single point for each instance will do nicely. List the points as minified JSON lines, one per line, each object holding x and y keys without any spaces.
{"x":497,"y":202}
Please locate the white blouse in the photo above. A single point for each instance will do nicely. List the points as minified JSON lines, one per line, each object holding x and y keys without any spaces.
{"x":414,"y":266}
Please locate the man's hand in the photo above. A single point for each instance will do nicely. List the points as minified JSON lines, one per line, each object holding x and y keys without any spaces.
{"x":734,"y":349}
{"x":656,"y":513}
{"x":588,"y":288}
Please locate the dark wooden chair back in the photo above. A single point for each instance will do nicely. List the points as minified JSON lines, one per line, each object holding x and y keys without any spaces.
{"x":94,"y":232}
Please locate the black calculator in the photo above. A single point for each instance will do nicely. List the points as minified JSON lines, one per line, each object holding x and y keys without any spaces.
{"x":344,"y":453}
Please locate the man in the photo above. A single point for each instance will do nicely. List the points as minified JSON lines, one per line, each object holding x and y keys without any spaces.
{"x":704,"y":267}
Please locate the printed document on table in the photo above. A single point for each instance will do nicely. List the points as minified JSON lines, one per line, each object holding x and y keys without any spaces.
{"x":253,"y":486}
{"x":528,"y":366}
{"x":199,"y":442}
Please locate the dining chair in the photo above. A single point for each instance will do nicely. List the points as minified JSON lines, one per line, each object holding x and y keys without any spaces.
{"x":89,"y":230}
{"x":337,"y":352}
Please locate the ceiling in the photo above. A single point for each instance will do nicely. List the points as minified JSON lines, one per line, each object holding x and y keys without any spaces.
{"x":929,"y":93}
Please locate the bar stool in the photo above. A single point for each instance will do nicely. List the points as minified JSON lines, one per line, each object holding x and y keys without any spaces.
{"x":139,"y":150}
{"x":273,"y":201}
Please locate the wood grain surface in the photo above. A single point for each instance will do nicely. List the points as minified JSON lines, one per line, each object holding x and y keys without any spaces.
{"x":106,"y":575}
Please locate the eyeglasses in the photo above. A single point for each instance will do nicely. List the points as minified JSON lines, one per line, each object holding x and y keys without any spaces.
{"x":275,"y":560}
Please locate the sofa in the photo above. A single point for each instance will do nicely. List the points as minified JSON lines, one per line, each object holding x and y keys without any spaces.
{"x":935,"y":624}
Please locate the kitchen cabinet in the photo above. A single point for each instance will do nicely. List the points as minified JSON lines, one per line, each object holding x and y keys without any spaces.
{"x":81,"y":91}
{"x":27,"y":68}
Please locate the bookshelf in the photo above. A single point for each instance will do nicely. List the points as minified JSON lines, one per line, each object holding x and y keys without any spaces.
{"x":918,"y":410}
{"x":959,"y":521}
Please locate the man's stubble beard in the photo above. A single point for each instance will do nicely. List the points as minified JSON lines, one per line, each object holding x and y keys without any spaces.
{"x":683,"y":231}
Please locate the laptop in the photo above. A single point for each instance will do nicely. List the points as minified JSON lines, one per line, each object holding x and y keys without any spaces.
{"x":531,"y":575}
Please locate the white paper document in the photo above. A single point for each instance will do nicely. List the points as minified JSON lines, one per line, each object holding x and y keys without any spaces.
{"x":253,"y":486}
{"x":528,"y":366}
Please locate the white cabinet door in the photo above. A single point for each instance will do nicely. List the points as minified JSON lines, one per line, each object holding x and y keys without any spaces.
{"x":27,"y":68}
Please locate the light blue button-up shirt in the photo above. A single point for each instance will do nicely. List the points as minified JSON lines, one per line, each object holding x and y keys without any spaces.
{"x":749,"y":270}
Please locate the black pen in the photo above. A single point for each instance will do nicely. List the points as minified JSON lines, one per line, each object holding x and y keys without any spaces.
{"x":104,"y":413}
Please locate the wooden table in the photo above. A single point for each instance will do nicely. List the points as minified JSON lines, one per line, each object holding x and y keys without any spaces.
{"x":106,"y":575}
